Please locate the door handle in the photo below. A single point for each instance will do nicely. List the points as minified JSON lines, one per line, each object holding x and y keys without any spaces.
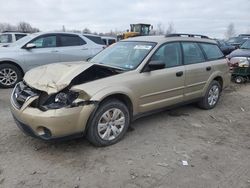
{"x":54,"y":51}
{"x":84,"y":48}
{"x":208,"y":68}
{"x":179,"y":74}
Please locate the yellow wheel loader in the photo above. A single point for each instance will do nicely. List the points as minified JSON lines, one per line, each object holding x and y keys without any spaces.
{"x":139,"y":29}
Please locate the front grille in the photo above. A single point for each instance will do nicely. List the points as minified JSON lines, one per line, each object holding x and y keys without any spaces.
{"x":22,"y":93}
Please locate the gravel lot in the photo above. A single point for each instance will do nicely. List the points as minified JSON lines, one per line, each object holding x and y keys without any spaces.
{"x":215,"y":143}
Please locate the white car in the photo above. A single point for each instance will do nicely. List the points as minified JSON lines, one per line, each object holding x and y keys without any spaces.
{"x":40,"y":49}
{"x":108,"y":40}
{"x":8,"y":37}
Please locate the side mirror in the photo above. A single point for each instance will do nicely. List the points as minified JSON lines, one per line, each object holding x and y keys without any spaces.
{"x":30,"y":45}
{"x":155,"y":65}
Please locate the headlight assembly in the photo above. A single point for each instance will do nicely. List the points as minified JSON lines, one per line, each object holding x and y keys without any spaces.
{"x":60,"y":100}
{"x":239,"y":60}
{"x":66,"y":98}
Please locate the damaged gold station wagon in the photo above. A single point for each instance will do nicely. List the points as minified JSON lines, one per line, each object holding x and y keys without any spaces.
{"x":101,"y":97}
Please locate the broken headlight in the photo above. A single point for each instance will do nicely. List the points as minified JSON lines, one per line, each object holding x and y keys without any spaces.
{"x":62,"y":99}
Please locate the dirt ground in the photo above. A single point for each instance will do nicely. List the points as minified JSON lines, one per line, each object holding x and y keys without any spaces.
{"x":215,"y":143}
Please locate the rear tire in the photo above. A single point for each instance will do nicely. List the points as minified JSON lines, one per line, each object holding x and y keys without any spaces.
{"x":109,"y":123}
{"x":10,"y":75}
{"x":211,"y":97}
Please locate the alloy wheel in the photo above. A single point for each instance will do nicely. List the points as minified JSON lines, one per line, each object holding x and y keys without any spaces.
{"x":8,"y":76}
{"x":111,"y":124}
{"x":213,"y":95}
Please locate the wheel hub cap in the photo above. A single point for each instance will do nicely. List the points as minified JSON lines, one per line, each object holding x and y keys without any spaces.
{"x":8,"y":76}
{"x":111,"y":124}
{"x":213,"y":95}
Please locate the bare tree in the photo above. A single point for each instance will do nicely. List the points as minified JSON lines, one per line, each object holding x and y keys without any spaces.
{"x":170,"y":28}
{"x":75,"y":31}
{"x":230,"y":31}
{"x":7,"y":27}
{"x":86,"y":30}
{"x":26,"y":28}
{"x":159,"y":29}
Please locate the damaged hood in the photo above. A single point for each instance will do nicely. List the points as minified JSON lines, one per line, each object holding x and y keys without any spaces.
{"x":53,"y":78}
{"x":240,"y":53}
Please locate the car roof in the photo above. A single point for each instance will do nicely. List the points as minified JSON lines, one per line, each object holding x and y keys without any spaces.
{"x":56,"y":32}
{"x":107,"y":37}
{"x":91,"y":35}
{"x":13,"y":32}
{"x":163,"y":39}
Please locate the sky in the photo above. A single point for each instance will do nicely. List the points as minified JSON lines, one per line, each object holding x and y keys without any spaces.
{"x":209,"y":17}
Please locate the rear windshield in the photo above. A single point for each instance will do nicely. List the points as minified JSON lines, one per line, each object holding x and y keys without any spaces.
{"x":246,"y":45}
{"x":239,"y":40}
{"x":95,"y":39}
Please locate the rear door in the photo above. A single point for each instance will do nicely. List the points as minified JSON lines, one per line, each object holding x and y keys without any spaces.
{"x":197,"y":70}
{"x":72,"y":48}
{"x":96,"y":43}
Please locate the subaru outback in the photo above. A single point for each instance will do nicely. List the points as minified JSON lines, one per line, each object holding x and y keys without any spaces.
{"x":131,"y":78}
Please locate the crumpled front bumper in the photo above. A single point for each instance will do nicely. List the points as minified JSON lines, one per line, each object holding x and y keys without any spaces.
{"x":52,"y":124}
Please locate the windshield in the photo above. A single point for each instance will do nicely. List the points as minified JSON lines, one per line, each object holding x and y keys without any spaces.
{"x":239,"y":40}
{"x":245,"y":45}
{"x":124,"y":55}
{"x":136,"y":28}
{"x":5,"y":38}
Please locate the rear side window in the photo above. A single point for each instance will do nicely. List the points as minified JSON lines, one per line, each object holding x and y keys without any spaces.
{"x":111,"y":41}
{"x":212,"y":51}
{"x":192,"y":53}
{"x":19,"y":36}
{"x":71,"y":40}
{"x":95,"y":39}
{"x":104,"y":40}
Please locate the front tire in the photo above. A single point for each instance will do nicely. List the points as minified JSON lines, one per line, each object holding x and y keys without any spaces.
{"x":109,"y":123}
{"x":212,"y":96}
{"x":10,"y":75}
{"x":239,"y":80}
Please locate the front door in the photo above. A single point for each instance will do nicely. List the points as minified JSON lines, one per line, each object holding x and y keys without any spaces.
{"x":160,"y":88}
{"x":45,"y":52}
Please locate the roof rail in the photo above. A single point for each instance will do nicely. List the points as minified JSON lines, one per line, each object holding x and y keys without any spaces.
{"x":186,"y":35}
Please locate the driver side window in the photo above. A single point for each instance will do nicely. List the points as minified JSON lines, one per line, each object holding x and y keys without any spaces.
{"x":170,"y":54}
{"x":45,"y":41}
